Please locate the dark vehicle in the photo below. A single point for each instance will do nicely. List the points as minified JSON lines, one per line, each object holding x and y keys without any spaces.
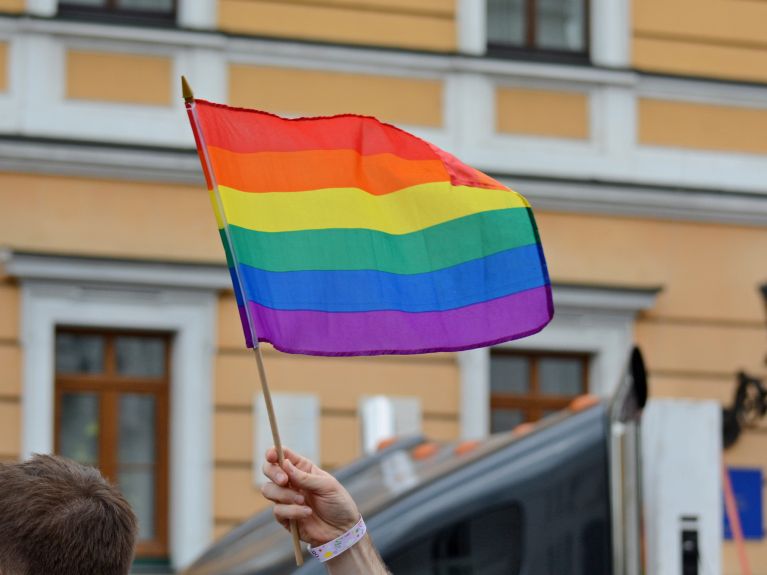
{"x":557,"y":498}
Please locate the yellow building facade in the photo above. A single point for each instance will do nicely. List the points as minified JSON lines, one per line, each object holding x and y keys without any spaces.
{"x":640,"y":140}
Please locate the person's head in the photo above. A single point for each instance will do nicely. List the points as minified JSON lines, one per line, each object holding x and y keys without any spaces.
{"x":60,"y":517}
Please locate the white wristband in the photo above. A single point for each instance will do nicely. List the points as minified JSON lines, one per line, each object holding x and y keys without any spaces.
{"x":339,"y":544}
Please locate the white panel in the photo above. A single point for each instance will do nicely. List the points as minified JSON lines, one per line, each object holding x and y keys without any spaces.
{"x":207,"y":73}
{"x":298,"y":419}
{"x":384,"y":417}
{"x":611,"y":33}
{"x":407,"y":416}
{"x":45,"y":8}
{"x":198,"y":14}
{"x":377,"y":421}
{"x":474,"y":366}
{"x":472,"y":26}
{"x":472,"y":120}
{"x":613,"y":123}
{"x":682,"y":466}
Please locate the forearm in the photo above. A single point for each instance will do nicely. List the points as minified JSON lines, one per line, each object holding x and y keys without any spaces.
{"x":361,"y":558}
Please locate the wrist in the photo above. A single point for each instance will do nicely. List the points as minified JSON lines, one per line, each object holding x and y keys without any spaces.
{"x":330,"y":530}
{"x":341,"y":543}
{"x":341,"y":526}
{"x":352,"y":554}
{"x":362,"y":558}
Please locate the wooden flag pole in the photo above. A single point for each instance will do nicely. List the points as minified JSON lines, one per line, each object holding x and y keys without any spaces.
{"x":277,"y":441}
{"x":188,"y":95}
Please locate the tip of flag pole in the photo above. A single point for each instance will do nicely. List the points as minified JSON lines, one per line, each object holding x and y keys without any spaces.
{"x":186,"y":90}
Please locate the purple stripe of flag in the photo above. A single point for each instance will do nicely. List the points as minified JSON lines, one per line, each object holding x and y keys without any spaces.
{"x":372,"y":333}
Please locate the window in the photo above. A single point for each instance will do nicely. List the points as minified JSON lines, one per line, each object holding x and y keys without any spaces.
{"x":490,"y":543}
{"x":158,"y":11}
{"x":545,"y":26}
{"x":112,"y":413}
{"x":525,"y":386}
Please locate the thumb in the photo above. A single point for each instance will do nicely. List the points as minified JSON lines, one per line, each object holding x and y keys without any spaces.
{"x":302,"y":479}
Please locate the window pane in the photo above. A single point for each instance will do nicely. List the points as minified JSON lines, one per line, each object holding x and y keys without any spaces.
{"x":138,"y":487}
{"x":509,"y":373}
{"x":79,"y":353}
{"x":560,"y":376}
{"x":140,"y":356}
{"x":79,"y":427}
{"x":506,"y":22}
{"x":137,"y":428}
{"x":137,"y":452}
{"x":161,"y":6}
{"x":560,"y":25}
{"x":505,"y":419}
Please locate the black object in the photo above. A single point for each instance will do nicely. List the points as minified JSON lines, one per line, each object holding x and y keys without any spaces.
{"x":639,"y":373}
{"x":630,"y":398}
{"x":748,"y":407}
{"x":690,"y":548}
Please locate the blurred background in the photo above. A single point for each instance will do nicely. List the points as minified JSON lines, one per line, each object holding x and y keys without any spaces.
{"x":636,"y":128}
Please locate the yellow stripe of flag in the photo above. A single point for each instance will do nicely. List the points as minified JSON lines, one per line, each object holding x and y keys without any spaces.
{"x":408,"y":210}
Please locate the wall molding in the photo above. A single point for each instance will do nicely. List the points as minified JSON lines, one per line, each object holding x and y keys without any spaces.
{"x":654,"y":202}
{"x":95,"y":30}
{"x":717,"y":93}
{"x":108,"y":271}
{"x":35,"y":106}
{"x":94,"y":160}
{"x":613,"y":198}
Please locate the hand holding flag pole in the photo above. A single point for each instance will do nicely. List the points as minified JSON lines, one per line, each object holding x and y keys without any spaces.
{"x":188,"y":95}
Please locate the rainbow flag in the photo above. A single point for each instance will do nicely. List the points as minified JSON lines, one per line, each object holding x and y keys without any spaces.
{"x":348,"y":236}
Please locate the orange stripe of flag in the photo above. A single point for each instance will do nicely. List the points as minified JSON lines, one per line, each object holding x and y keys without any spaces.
{"x":378,"y":174}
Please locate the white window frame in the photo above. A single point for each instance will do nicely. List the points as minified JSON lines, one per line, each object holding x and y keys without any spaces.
{"x":597,"y":321}
{"x":108,"y":294}
{"x":610,"y":26}
{"x":195,"y":14}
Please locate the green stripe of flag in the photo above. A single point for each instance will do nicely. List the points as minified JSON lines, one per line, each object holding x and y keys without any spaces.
{"x":430,"y":249}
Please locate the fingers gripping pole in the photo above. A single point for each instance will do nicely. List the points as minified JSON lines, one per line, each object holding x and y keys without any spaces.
{"x":277,"y":444}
